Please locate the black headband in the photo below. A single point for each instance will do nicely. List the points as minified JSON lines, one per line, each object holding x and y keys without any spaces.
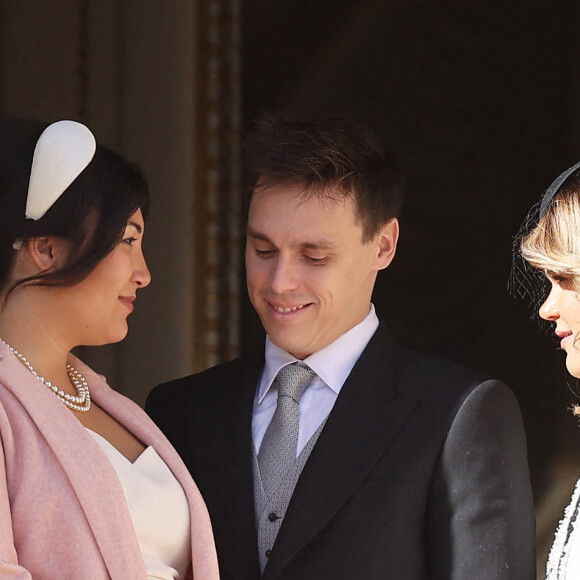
{"x":554,"y":187}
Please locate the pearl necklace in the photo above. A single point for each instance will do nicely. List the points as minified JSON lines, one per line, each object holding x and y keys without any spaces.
{"x":81,"y":402}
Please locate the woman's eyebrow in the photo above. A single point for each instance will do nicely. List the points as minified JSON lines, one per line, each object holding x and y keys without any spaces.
{"x":136,"y":226}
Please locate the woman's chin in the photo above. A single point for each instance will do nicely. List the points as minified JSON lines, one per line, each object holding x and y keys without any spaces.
{"x":573,"y":364}
{"x":110,"y":338}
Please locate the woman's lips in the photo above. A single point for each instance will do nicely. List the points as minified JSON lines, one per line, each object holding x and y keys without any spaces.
{"x":128,"y":302}
{"x":565,"y":337}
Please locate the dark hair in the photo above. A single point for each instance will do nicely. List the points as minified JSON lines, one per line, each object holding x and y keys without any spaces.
{"x":91,"y":213}
{"x":335,"y":153}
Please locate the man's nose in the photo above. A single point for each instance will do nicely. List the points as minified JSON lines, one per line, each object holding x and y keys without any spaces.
{"x":284,"y":276}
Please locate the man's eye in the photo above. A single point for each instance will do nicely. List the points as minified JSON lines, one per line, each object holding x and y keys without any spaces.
{"x":316,"y":260}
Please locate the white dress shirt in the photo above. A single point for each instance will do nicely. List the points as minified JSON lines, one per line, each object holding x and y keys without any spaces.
{"x":332,"y":364}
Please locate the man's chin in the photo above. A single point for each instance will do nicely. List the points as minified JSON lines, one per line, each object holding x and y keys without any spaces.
{"x":296,"y":348}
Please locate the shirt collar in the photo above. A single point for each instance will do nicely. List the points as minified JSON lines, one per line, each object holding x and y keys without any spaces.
{"x":332,"y":364}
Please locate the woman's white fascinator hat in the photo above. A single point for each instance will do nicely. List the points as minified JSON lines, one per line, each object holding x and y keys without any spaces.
{"x":63,"y":151}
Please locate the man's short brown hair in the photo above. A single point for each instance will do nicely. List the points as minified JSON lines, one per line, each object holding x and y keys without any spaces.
{"x":327,"y":157}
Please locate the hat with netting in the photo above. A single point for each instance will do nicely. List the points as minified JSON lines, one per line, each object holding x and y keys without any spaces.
{"x":526,"y":282}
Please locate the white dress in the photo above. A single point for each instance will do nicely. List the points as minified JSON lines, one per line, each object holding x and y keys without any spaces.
{"x":158,"y":508}
{"x":564,"y":558}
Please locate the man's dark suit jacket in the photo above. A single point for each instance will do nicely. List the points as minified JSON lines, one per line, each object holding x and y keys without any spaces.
{"x":419,"y":473}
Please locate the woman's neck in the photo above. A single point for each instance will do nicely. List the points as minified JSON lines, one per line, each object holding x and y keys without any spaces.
{"x":28,"y":327}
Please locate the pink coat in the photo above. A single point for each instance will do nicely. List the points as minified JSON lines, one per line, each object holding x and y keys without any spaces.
{"x":62,"y":510}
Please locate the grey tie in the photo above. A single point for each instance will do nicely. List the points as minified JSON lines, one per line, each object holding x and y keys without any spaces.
{"x":278,"y":450}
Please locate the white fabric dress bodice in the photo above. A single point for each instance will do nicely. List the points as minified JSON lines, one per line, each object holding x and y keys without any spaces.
{"x":564,"y":558}
{"x":158,"y":508}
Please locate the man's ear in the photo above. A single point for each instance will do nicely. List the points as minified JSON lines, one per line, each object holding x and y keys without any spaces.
{"x":48,"y":252}
{"x":387,"y":243}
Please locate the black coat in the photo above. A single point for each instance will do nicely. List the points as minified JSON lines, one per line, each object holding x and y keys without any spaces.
{"x":420,"y":473}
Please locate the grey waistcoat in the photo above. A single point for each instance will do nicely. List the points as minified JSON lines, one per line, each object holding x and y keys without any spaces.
{"x":270,"y":511}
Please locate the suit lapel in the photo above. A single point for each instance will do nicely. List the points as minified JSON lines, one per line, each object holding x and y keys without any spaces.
{"x":232,"y":497}
{"x":364,"y":421}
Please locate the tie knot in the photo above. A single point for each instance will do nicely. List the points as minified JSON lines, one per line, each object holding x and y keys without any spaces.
{"x":293,"y":379}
